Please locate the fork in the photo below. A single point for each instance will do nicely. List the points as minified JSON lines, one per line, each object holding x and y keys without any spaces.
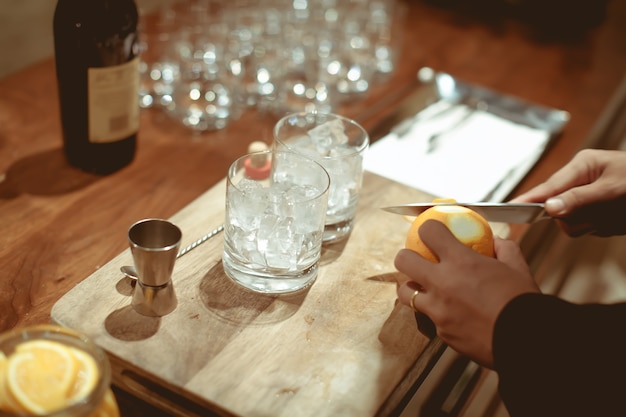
{"x":473,"y":104}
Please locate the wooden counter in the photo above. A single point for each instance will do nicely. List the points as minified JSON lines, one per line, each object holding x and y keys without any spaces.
{"x":60,"y":225}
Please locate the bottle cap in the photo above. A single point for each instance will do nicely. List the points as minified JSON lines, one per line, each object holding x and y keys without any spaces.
{"x":257,"y":166}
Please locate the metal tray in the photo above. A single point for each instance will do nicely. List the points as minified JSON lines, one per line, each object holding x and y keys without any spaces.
{"x":440,"y":93}
{"x":446,"y":87}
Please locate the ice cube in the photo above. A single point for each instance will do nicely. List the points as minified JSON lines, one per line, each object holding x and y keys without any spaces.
{"x":284,"y":246}
{"x":338,"y":199}
{"x":267,"y":223}
{"x":245,"y":203}
{"x":327,"y":136}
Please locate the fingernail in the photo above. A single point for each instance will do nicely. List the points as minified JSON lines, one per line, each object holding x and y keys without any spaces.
{"x":555,"y":206}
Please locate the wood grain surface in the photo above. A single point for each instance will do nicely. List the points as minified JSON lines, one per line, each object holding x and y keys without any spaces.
{"x":341,"y":347}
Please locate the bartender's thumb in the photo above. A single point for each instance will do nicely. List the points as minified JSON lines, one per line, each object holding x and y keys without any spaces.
{"x":569,"y":201}
{"x":439,"y":238}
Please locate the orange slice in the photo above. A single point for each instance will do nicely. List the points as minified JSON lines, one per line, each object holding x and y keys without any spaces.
{"x":7,"y":401}
{"x":3,"y":388}
{"x":40,"y":375}
{"x":85,"y":377}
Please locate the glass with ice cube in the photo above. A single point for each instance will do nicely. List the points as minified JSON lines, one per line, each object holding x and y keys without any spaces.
{"x":338,"y":144}
{"x":275,"y":209}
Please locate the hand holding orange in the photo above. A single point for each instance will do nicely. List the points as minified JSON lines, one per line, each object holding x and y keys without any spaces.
{"x":469,"y":227}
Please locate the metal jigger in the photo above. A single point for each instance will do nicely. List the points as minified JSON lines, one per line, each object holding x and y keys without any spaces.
{"x":154,"y":245}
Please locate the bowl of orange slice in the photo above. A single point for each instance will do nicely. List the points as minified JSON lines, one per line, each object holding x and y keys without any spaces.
{"x":52,"y":370}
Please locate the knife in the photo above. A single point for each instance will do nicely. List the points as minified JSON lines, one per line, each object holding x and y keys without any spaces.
{"x":492,"y":212}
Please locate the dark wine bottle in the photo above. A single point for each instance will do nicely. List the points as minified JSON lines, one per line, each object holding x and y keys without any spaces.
{"x":97,"y":63}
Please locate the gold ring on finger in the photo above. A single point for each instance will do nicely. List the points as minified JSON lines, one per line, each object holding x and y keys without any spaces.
{"x":412,"y":302}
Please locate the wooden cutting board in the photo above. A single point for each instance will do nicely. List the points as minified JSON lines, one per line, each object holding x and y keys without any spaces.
{"x":344,"y":347}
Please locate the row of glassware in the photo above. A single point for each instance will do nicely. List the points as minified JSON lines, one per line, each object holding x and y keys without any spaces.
{"x":205,"y":62}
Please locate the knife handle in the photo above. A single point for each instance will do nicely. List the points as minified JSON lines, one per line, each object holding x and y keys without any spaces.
{"x":425,"y":325}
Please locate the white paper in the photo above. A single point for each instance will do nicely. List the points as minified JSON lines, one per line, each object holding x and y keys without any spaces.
{"x":481,"y":154}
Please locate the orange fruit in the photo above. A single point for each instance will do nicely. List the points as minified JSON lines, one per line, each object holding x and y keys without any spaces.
{"x":40,"y":375}
{"x":469,"y":227}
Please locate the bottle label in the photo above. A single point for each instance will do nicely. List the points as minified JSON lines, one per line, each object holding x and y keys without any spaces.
{"x":113,"y":102}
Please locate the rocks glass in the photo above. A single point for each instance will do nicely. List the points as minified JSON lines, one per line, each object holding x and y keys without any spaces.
{"x":275,"y":209}
{"x":338,"y":144}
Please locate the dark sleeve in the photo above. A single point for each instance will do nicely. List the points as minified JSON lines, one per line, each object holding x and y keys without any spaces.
{"x":555,"y":358}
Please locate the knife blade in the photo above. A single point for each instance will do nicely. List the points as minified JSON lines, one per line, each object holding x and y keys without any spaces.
{"x":492,"y":212}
